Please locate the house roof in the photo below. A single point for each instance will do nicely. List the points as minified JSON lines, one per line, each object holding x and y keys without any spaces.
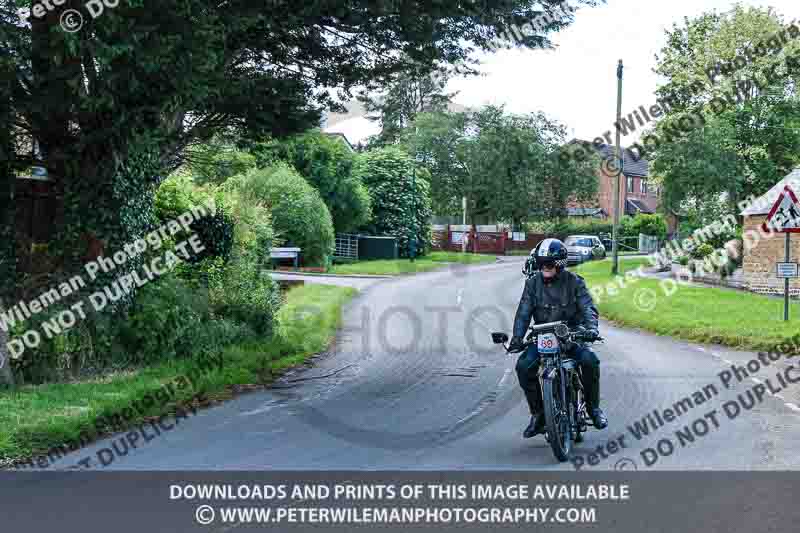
{"x":341,"y":136}
{"x":633,"y":207}
{"x":633,"y":164}
{"x":585,"y":211}
{"x":765,"y":202}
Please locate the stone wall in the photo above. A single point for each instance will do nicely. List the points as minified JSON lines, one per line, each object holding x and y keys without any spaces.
{"x":759,"y":261}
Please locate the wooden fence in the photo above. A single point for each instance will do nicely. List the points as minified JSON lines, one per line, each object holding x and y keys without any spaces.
{"x":482,"y":239}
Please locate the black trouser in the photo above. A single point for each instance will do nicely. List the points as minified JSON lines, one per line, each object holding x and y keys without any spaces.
{"x":528,"y":373}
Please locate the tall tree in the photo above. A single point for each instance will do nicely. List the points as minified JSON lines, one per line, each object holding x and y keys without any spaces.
{"x":733,"y":76}
{"x":400,"y":197}
{"x":507,"y":166}
{"x":402,"y":99}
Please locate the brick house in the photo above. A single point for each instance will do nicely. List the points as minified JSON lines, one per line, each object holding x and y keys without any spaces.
{"x":762,"y":251}
{"x":637,"y":193}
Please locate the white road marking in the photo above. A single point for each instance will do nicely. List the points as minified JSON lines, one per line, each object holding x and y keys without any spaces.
{"x":503,"y":379}
{"x":791,"y":406}
{"x":460,"y":296}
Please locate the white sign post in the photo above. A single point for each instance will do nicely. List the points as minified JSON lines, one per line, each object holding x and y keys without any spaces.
{"x":784,"y":217}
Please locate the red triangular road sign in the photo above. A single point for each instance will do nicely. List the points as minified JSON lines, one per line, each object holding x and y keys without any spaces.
{"x":784,"y":217}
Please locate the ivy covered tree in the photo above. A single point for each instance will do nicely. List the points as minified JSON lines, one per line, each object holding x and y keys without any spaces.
{"x":400,"y":195}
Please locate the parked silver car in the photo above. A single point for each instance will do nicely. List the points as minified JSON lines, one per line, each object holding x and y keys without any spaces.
{"x":582,"y":248}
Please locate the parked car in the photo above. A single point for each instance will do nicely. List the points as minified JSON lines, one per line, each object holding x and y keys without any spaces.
{"x":582,"y":248}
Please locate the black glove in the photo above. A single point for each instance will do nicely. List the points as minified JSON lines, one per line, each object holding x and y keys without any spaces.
{"x":515,"y":345}
{"x":591,"y":335}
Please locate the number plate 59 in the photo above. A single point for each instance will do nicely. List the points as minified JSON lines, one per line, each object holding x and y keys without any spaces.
{"x":547,"y":343}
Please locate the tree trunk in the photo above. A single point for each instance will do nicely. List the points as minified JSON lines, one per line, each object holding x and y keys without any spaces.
{"x":8,"y":261}
{"x":6,"y":376}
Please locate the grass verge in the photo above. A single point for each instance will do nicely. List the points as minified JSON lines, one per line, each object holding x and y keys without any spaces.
{"x":37,"y":418}
{"x":392,"y":267}
{"x":704,"y":314}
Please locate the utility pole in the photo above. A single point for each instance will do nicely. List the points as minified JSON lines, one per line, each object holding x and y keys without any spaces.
{"x":618,"y":178}
{"x":412,"y":238}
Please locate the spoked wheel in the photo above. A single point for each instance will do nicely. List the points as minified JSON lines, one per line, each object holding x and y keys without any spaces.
{"x":557,"y":417}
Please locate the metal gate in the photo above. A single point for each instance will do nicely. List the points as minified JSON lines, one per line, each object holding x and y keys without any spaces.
{"x":346,"y":246}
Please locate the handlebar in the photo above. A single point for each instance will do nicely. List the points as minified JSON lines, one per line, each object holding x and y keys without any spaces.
{"x":561,"y":330}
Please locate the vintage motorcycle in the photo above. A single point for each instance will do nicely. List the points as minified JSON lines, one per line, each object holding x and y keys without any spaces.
{"x":566,"y":416}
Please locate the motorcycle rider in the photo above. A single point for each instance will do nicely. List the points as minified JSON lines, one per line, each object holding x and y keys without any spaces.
{"x":552,"y":294}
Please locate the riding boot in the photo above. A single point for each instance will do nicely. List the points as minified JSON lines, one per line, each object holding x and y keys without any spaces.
{"x":537,"y":423}
{"x":591,"y":386}
{"x":534,"y":397}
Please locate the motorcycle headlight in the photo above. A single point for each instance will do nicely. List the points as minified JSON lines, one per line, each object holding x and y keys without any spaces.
{"x":585,"y":251}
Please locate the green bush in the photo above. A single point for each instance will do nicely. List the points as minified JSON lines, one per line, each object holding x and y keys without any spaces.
{"x":215,"y":231}
{"x":163,"y":324}
{"x":246,"y":294}
{"x":702,"y":251}
{"x":401,"y":204}
{"x":169,"y":319}
{"x":299,"y":216}
{"x":654,"y":225}
{"x":253,"y":233}
{"x":630,"y":227}
{"x":177,"y":195}
{"x":329,"y":166}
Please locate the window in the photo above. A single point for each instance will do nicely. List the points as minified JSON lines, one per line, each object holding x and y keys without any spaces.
{"x":630,"y":184}
{"x":644,"y":186}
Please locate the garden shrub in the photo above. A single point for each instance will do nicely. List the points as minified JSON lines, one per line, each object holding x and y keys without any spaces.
{"x":702,"y":251}
{"x":329,"y":166}
{"x":299,"y":216}
{"x":246,"y":294}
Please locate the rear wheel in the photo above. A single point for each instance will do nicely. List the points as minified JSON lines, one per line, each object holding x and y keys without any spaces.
{"x":557,"y":419}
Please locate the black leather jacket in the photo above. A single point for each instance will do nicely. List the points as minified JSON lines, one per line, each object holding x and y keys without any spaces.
{"x":576,"y":305}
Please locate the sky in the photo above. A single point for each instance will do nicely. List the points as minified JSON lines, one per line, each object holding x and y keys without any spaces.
{"x":576,"y":82}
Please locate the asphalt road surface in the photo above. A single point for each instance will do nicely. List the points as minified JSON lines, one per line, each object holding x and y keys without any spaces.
{"x":413,"y":382}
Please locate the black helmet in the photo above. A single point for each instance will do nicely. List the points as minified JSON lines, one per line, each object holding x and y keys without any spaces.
{"x":546,"y":252}
{"x":550,"y":251}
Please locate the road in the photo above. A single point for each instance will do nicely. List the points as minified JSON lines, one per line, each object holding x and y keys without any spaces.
{"x":413,"y":382}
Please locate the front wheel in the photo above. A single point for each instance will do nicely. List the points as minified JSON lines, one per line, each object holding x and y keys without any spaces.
{"x":557,"y":419}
